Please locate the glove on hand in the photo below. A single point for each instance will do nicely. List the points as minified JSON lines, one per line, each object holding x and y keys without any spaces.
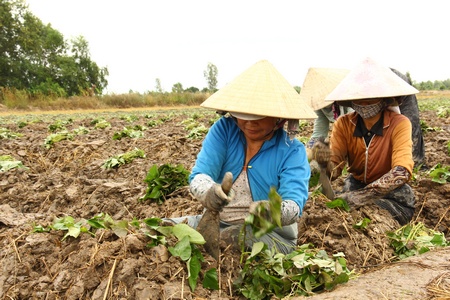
{"x":261,"y":209}
{"x":321,"y":153}
{"x":220,"y":195}
{"x":353,"y":199}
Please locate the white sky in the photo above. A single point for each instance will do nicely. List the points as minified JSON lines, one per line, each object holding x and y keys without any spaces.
{"x":174,"y":40}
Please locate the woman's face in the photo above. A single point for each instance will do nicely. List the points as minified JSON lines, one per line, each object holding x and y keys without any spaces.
{"x":368,"y":108}
{"x":258,"y":130}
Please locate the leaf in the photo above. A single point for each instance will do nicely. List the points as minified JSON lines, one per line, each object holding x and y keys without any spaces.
{"x":275,"y":206}
{"x":257,"y":248}
{"x":183,"y":230}
{"x":263,"y":220}
{"x":152,"y":222}
{"x":339,"y":202}
{"x":194,"y":267}
{"x":164,"y":180}
{"x":73,"y":231}
{"x":120,"y":228}
{"x":182,"y":249}
{"x":165,"y":230}
{"x":211,"y":281}
{"x":362,"y":224}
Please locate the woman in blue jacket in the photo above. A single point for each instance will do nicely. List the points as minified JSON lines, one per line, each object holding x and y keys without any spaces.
{"x":250,"y":144}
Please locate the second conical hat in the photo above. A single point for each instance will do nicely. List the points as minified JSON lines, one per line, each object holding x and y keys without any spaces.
{"x":261,"y":90}
{"x":369,"y":79}
{"x":318,"y":83}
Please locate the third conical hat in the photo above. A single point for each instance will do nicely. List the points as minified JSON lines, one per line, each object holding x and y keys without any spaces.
{"x":261,"y":90}
{"x":369,"y":79}
{"x":318,"y":83}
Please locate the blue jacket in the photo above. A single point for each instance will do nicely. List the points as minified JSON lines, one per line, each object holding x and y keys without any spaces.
{"x":280,"y":163}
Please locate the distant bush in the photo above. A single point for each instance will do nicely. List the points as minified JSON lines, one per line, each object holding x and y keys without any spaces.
{"x":22,"y":100}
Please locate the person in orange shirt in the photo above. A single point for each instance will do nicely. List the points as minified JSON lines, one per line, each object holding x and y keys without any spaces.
{"x":373,"y":141}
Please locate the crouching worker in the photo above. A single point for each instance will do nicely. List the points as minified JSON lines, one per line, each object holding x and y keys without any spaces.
{"x":374,"y":141}
{"x":249,"y":150}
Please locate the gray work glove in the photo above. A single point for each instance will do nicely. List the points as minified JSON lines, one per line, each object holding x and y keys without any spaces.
{"x":220,"y":195}
{"x":321,"y":153}
{"x":261,"y":209}
{"x":355,"y":199}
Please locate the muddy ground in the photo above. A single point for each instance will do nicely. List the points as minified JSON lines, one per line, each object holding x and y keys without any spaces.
{"x":68,"y":180}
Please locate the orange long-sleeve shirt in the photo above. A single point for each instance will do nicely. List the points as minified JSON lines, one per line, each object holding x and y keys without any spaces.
{"x":367,"y":164}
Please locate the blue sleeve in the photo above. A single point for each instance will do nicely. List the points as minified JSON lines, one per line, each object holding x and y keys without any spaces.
{"x":211,"y":158}
{"x":294,"y":176}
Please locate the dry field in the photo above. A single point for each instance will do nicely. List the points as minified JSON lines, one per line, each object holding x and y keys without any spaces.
{"x":67,"y":179}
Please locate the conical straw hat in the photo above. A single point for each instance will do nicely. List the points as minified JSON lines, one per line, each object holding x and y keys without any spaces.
{"x":318,"y":83}
{"x":369,"y":79}
{"x":261,"y":90}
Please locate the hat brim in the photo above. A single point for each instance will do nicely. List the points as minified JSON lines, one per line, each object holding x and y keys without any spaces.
{"x":247,"y":117}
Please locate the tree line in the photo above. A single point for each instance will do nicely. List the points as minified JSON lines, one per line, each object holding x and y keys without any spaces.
{"x":36,"y":57}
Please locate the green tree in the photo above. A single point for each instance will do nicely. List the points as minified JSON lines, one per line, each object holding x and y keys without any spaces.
{"x":177,"y":88}
{"x":35,"y":57}
{"x":79,"y":74}
{"x":192,"y":89}
{"x":210,"y":75}
{"x":158,"y":86}
{"x":447,"y":84}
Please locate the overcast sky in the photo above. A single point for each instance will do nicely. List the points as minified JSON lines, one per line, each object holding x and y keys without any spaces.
{"x":174,"y":40}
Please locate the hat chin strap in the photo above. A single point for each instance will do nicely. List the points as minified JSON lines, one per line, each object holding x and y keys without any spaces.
{"x":279,"y":124}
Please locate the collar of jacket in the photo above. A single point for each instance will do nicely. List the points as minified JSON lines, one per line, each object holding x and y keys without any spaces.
{"x":361,"y":129}
{"x":387,"y":117}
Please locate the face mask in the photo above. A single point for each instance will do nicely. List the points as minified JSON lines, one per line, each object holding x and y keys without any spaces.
{"x":368,"y":111}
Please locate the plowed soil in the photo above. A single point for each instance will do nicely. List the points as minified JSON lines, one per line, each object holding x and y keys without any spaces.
{"x":68,"y":180}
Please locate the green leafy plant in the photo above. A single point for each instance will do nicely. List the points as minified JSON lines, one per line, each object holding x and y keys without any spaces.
{"x":80,"y":130}
{"x":439,"y":174}
{"x":105,"y":221}
{"x":8,"y":134}
{"x":59,"y":125}
{"x":186,"y":249}
{"x":198,"y":132}
{"x":100,"y":123}
{"x":57,"y":137}
{"x":362,"y":224}
{"x":267,"y":274}
{"x":443,"y":112}
{"x":7,"y":162}
{"x":265,"y":220}
{"x":74,"y":229}
{"x":124,"y":158}
{"x":129,"y":118}
{"x":425,"y":128}
{"x":415,"y":238}
{"x":128,"y":132}
{"x":22,"y":124}
{"x":154,"y":123}
{"x":68,"y":224}
{"x":338,"y":203}
{"x":164,"y":180}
